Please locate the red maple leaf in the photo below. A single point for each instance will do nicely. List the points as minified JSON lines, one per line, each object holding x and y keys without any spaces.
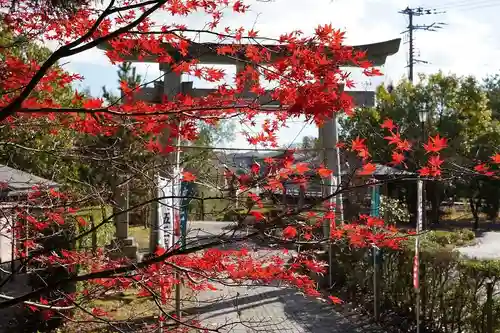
{"x":335,"y":300}
{"x":258,"y":215}
{"x":290,"y":232}
{"x":496,"y":158}
{"x":388,"y":124}
{"x":301,"y":168}
{"x":435,"y":144}
{"x":395,"y":138}
{"x":397,"y":158}
{"x":435,"y":161}
{"x":188,"y":176}
{"x":367,"y":169}
{"x":481,"y":168}
{"x":324,"y":172}
{"x":255,"y":168}
{"x":403,"y":145}
{"x":358,"y":144}
{"x":425,"y":171}
{"x":340,"y":145}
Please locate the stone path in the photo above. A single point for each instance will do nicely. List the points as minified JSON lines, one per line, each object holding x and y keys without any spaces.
{"x":269,"y":309}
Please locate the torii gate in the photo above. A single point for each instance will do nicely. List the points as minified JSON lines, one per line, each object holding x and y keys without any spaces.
{"x":206,"y":53}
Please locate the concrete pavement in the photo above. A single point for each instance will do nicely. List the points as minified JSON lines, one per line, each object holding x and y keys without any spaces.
{"x":487,"y":247}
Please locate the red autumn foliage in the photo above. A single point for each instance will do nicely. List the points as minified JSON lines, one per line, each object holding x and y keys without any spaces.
{"x":307,"y":69}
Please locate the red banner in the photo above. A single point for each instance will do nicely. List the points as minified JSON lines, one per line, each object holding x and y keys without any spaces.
{"x":415,"y":272}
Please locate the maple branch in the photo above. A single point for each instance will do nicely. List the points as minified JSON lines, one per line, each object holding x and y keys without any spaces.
{"x":66,"y":51}
{"x":115,"y":272}
{"x":41,"y":306}
{"x":140,"y":114}
{"x":174,"y":31}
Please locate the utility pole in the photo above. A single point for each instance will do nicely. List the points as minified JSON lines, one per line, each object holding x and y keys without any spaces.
{"x":412,"y":13}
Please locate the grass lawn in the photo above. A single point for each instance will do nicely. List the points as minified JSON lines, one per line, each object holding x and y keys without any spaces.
{"x":141,"y":236}
{"x":125,"y":310}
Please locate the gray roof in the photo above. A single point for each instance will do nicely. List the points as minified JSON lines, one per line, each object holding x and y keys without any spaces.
{"x":21,"y":182}
{"x":384,"y":170}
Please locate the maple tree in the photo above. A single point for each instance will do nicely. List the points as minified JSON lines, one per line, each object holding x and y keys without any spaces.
{"x":310,"y":86}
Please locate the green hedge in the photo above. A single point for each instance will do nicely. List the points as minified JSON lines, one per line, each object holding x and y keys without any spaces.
{"x":453,"y":290}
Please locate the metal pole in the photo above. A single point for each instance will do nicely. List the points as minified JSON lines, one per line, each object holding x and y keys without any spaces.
{"x":376,"y":289}
{"x":410,"y":30}
{"x":424,"y":199}
{"x":489,"y":305}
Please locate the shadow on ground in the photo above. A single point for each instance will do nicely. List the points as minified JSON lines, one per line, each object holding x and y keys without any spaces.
{"x":276,"y":310}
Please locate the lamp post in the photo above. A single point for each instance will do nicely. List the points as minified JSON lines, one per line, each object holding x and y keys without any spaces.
{"x":422,"y":116}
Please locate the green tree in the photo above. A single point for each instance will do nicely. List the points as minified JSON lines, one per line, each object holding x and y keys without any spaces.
{"x":457,"y":109}
{"x":31,"y":145}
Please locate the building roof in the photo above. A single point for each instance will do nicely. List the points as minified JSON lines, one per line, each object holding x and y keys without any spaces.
{"x":384,"y":170}
{"x":377,"y":53}
{"x":20,"y":182}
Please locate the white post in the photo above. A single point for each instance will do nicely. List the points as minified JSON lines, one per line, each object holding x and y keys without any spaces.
{"x":416,"y":265}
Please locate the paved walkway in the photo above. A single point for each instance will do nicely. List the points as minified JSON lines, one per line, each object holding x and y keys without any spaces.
{"x":487,"y":247}
{"x":246,"y":309}
{"x":270,"y":310}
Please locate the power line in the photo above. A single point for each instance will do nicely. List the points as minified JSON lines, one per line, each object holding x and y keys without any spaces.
{"x":465,"y":4}
{"x":411,"y":13}
{"x":251,"y":149}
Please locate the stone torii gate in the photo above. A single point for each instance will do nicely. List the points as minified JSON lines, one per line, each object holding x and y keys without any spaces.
{"x":206,"y":53}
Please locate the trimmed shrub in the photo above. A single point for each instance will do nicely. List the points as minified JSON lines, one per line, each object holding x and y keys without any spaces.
{"x":453,"y":290}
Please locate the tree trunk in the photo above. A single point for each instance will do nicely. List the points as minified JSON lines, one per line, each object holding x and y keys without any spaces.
{"x":475,"y":213}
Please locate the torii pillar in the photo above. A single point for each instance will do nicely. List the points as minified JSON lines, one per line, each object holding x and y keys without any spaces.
{"x":328,"y":136}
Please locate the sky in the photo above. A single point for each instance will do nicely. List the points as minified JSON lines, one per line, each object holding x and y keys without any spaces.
{"x":466,"y":45}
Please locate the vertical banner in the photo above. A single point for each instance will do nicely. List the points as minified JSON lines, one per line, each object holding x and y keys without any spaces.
{"x":375,"y":201}
{"x":186,"y":192}
{"x":176,"y":202}
{"x":165,"y":212}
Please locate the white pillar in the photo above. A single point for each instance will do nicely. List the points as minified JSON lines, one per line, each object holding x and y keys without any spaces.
{"x":328,"y":135}
{"x":171,"y":87}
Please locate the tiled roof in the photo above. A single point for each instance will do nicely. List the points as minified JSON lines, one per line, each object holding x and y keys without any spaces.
{"x":20,"y":182}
